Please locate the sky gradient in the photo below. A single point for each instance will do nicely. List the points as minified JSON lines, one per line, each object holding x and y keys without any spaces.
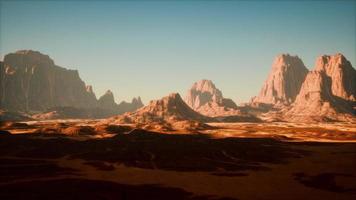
{"x":150,"y":49}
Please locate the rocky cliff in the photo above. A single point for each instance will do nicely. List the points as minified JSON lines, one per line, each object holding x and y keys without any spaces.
{"x":328,"y":92}
{"x":341,"y":74}
{"x":30,"y":81}
{"x":206,"y":99}
{"x":283,"y":82}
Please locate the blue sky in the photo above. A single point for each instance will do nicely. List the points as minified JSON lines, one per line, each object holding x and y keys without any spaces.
{"x":152,"y":48}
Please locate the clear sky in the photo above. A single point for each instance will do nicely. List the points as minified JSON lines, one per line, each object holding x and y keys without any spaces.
{"x":152,"y":48}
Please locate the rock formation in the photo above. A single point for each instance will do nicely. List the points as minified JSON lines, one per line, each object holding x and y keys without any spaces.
{"x":284,"y":81}
{"x":328,"y":92}
{"x":30,"y":81}
{"x":107,"y":101}
{"x":168,"y":113}
{"x":206,"y":99}
{"x":91,"y":94}
{"x":341,"y":74}
{"x":135,"y":104}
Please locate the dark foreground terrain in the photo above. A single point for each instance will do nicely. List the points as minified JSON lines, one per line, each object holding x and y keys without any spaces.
{"x":148,"y":165}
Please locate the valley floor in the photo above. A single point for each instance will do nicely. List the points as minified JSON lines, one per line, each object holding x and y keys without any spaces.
{"x":230,"y":161}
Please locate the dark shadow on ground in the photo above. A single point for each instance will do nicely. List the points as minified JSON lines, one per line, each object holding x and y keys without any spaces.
{"x":158,"y":151}
{"x":92,"y":189}
{"x":325,"y":181}
{"x":20,"y":169}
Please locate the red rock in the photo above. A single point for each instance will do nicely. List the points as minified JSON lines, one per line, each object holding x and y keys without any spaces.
{"x":284,"y":81}
{"x":206,"y":99}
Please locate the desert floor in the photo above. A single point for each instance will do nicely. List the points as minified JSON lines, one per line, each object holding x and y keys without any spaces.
{"x":231,"y":161}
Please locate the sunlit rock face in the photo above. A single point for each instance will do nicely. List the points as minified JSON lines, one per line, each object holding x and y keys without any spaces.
{"x":206,"y":99}
{"x":170,"y":112}
{"x":327,"y":93}
{"x":284,"y":81}
{"x":314,"y":97}
{"x":341,"y":73}
{"x":30,"y":81}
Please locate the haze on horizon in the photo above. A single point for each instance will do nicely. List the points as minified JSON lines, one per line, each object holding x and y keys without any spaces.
{"x":150,"y":49}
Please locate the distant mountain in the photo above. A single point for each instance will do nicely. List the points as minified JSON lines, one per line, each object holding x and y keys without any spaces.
{"x":31,"y":82}
{"x":284,"y":81}
{"x":107,"y":101}
{"x":168,"y":113}
{"x":33,"y":86}
{"x":206,"y":99}
{"x":135,"y":104}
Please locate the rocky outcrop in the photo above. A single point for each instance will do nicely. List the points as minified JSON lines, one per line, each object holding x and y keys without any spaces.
{"x":284,"y":81}
{"x":206,"y":99}
{"x":107,"y":101}
{"x":341,"y":74}
{"x":30,"y":81}
{"x":135,"y":104}
{"x":328,"y":92}
{"x":168,"y":113}
{"x":91,"y":95}
{"x":314,"y":99}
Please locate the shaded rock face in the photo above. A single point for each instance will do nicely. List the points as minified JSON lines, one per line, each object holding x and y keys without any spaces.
{"x":135,"y":104}
{"x":284,"y":81}
{"x":341,"y":73}
{"x":170,"y":112}
{"x":30,"y":81}
{"x":91,"y":93}
{"x":206,"y":99}
{"x":328,"y":92}
{"x":107,"y":101}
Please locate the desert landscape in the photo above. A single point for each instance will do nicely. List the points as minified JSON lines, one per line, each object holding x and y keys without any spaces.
{"x":295,"y":139}
{"x":202,"y":147}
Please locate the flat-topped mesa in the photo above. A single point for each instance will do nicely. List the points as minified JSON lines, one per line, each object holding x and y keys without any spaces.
{"x":283,"y":82}
{"x":341,"y":73}
{"x":27,"y":58}
{"x":31,"y":81}
{"x":206,"y":99}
